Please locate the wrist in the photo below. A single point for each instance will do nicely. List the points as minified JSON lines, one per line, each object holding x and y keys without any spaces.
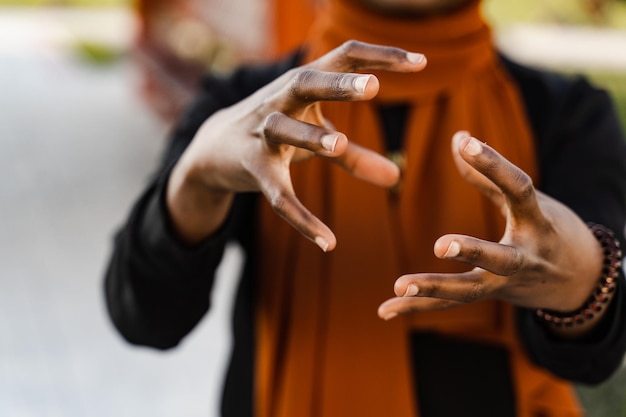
{"x":196,"y":210}
{"x":578,"y":322}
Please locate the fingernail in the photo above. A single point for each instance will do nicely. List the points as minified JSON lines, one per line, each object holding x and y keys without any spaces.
{"x":411,"y":290}
{"x":360,"y":83}
{"x":322,"y":243}
{"x":473,"y":147}
{"x":390,"y":316}
{"x":329,"y":142}
{"x":415,"y":58}
{"x":453,"y":250}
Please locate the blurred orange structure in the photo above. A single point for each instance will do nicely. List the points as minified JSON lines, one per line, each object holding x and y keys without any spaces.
{"x":178,"y":41}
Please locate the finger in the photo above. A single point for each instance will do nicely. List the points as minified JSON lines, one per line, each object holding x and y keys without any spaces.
{"x":401,"y":305}
{"x":355,"y":56}
{"x":465,"y":287}
{"x":310,"y":85}
{"x":279,"y":192}
{"x":280,"y":128}
{"x":516,"y":186}
{"x":369,"y":166}
{"x":494,"y":257}
{"x":361,"y":162}
{"x":471,"y":175}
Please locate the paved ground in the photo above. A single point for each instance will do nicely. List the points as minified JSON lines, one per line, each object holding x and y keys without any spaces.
{"x":76,"y":145}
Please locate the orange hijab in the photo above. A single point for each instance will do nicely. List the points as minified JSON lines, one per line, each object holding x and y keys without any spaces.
{"x":321,"y":349}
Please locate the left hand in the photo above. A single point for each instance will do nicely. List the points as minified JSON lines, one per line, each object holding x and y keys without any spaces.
{"x":547,"y":258}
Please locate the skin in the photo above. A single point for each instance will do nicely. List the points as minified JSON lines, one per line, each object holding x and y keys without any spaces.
{"x":251,"y":146}
{"x":547,"y":257}
{"x":413,"y":8}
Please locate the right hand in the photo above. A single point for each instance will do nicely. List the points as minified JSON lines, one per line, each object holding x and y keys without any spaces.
{"x":251,"y":145}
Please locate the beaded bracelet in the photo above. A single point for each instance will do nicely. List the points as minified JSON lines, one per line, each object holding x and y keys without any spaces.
{"x":604,"y":290}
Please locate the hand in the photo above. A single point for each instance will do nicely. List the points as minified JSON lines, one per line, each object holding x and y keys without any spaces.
{"x":547,"y":257}
{"x":251,"y":145}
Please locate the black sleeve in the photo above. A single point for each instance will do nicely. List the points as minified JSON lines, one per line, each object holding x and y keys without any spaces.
{"x":156,"y":289}
{"x":582,"y":164}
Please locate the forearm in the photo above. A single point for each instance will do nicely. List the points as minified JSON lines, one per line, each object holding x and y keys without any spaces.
{"x":195,"y":210}
{"x":607,"y":256}
{"x":586,"y":345}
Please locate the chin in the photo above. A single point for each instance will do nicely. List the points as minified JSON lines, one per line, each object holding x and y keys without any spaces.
{"x":421,"y":7}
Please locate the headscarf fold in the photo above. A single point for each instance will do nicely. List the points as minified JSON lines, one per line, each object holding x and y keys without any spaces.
{"x":321,"y":349}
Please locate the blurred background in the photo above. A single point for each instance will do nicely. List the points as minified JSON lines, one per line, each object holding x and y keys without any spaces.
{"x":88,"y":92}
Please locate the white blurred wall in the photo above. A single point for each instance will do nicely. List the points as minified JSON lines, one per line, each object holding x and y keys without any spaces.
{"x":76,"y":147}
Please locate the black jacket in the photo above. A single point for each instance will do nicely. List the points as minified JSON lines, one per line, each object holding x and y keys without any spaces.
{"x":157,"y":290}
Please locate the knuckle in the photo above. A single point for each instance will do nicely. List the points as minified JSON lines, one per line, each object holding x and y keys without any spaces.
{"x":271,"y":124}
{"x":431,"y":290}
{"x":300,"y":80}
{"x":349,"y":47}
{"x":516,"y":263}
{"x":279,"y":203}
{"x":397,"y":54}
{"x":490,"y":165}
{"x":474,"y":254}
{"x":525,"y":185}
{"x":340,"y":86}
{"x":350,"y":52}
{"x":476,"y":291}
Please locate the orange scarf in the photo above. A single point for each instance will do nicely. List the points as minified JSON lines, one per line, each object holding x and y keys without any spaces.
{"x":289,"y":24}
{"x":321,"y":349}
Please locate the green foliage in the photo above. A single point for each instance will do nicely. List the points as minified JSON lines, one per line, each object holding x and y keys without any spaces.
{"x":97,"y":53}
{"x":578,"y":12}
